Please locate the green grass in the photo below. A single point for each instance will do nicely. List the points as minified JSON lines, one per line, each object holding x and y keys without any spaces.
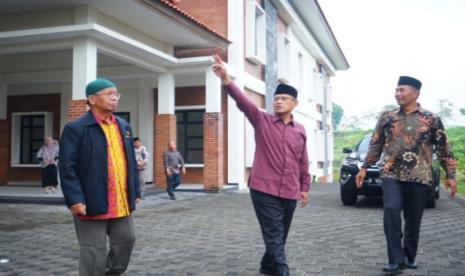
{"x":455,"y":135}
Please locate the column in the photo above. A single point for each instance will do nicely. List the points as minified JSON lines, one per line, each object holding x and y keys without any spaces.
{"x":165,"y":125}
{"x":146,"y":116}
{"x":213,"y":154}
{"x":4,"y":132}
{"x":84,"y":71}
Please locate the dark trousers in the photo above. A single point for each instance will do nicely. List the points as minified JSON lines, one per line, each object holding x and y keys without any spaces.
{"x":92,"y":236}
{"x":173,"y":182}
{"x":411,"y":198}
{"x":275,"y":216}
{"x":50,"y":176}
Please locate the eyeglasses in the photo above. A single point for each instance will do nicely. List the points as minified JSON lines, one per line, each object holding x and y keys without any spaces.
{"x":282,"y":98}
{"x":111,"y":95}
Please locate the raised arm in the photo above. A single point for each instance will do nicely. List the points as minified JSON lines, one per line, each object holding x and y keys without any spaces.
{"x":250,"y":110}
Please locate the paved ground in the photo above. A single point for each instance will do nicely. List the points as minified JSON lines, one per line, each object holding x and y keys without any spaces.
{"x":217,"y":234}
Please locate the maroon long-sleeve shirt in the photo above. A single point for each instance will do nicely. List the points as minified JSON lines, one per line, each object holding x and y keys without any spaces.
{"x":280,"y":166}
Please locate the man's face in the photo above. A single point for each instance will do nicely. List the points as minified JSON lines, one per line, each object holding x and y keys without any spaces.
{"x":105,"y":100}
{"x":172,"y":146}
{"x":283,"y":103}
{"x":405,"y":95}
{"x":137,"y":144}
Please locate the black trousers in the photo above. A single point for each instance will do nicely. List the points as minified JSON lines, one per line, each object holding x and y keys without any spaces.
{"x":50,"y":176}
{"x":411,"y":198}
{"x":274,"y":215}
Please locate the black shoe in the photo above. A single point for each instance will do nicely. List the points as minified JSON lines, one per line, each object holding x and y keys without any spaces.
{"x":266,"y":271}
{"x":172,"y":197}
{"x":282,"y":270}
{"x":393,"y":267}
{"x":410,"y":264}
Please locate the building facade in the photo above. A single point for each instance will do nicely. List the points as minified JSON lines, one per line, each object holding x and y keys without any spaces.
{"x":158,"y":52}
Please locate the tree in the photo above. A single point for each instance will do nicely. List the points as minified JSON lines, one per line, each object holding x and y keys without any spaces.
{"x":462,"y":110}
{"x":337,"y":115}
{"x":445,"y":110}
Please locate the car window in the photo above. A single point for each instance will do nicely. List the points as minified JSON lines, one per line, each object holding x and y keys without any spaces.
{"x":362,"y":147}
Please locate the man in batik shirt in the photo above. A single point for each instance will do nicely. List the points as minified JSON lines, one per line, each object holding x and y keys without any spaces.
{"x":407,"y":136}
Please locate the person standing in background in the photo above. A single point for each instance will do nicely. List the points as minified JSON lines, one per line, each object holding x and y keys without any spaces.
{"x":174,"y":164}
{"x":142,"y":158}
{"x":48,"y":158}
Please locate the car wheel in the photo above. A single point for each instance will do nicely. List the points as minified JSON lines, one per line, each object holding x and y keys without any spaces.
{"x":348,"y":197}
{"x":431,"y":198}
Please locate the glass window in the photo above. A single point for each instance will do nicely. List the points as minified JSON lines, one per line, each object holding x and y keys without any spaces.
{"x":32,"y":137}
{"x":190,"y":135}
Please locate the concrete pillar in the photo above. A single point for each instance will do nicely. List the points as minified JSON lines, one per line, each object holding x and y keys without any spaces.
{"x":166,"y":94}
{"x":213,"y":121}
{"x":84,"y":66}
{"x":4,"y":132}
{"x":146,"y":123}
{"x":212,"y":92}
{"x":165,"y":125}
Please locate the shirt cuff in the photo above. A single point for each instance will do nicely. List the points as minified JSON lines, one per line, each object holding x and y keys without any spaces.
{"x":304,"y":187}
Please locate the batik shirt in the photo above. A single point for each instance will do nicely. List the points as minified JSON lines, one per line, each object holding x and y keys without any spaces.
{"x":408,"y":142}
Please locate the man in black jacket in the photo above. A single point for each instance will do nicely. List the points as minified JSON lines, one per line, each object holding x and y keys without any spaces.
{"x":98,"y":173}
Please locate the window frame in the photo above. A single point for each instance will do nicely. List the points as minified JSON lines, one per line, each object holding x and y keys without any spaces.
{"x":255,"y":33}
{"x":15,"y":146}
{"x":185,"y":112}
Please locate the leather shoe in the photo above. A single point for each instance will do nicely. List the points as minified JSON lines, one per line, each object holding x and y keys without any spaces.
{"x":392,"y":268}
{"x":266,"y":271}
{"x":410,"y":265}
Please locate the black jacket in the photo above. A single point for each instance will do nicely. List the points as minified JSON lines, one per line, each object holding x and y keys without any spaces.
{"x":83,"y":164}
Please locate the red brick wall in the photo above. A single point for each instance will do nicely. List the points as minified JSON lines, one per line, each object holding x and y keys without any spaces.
{"x":166,"y":131}
{"x":194,"y":95}
{"x":213,"y":13}
{"x":31,"y":103}
{"x":76,"y":108}
{"x":193,"y":176}
{"x":213,"y":152}
{"x":4,"y":150}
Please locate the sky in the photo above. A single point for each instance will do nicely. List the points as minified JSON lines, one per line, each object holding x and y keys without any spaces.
{"x":383,"y":39}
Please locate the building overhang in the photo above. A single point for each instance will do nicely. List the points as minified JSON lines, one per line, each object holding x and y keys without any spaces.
{"x":154,"y":18}
{"x":108,"y":42}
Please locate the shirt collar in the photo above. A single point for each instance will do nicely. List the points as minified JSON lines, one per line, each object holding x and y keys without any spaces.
{"x":100,"y":120}
{"x":276,"y":118}
{"x":419,"y":110}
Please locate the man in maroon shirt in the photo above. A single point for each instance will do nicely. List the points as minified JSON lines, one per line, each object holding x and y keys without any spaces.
{"x":280,"y":174}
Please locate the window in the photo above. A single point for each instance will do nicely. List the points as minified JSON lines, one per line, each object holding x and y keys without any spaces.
{"x":189,"y":125}
{"x":28,"y":133}
{"x":319,"y":125}
{"x":319,"y":108}
{"x":320,"y":164}
{"x":32,"y":138}
{"x":125,"y":115}
{"x":255,"y":33}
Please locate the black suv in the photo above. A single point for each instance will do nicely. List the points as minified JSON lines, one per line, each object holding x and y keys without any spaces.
{"x":372,"y":183}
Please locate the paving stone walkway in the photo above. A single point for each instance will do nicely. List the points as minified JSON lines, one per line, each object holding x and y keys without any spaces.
{"x":217,"y":234}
